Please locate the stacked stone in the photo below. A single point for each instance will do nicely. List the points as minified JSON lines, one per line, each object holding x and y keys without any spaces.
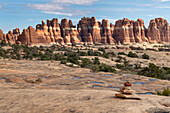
{"x":126,"y":92}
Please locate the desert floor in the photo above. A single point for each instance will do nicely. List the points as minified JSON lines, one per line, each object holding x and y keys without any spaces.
{"x":77,"y":90}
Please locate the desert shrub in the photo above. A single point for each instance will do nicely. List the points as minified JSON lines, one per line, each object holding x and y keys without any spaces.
{"x":107,"y":68}
{"x":96,"y":61}
{"x":58,"y":57}
{"x":85,"y":62}
{"x":64,"y":61}
{"x":119,"y":59}
{"x":39,"y":80}
{"x":93,"y":53}
{"x":3,"y":43}
{"x":133,"y":55}
{"x":83,"y":53}
{"x":167,"y":69}
{"x":121,"y":53}
{"x":105,"y":55}
{"x":112,"y":54}
{"x":145,"y":56}
{"x":120,"y":66}
{"x":153,"y":71}
{"x":95,"y":68}
{"x":102,"y":49}
{"x":165,"y":92}
{"x":137,"y":66}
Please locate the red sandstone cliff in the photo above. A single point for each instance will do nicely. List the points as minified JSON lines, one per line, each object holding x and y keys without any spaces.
{"x":90,"y":31}
{"x":158,"y":30}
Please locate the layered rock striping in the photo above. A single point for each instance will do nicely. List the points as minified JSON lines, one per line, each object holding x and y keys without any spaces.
{"x":89,"y":31}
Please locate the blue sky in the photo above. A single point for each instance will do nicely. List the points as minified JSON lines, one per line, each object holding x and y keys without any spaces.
{"x":24,"y":13}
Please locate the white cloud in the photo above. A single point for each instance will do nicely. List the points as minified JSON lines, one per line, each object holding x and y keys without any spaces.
{"x":78,"y":2}
{"x":62,"y":7}
{"x":0,"y":6}
{"x":47,"y":7}
{"x":34,"y":20}
{"x":164,"y":0}
{"x":161,"y":0}
{"x":145,"y":5}
{"x":163,"y":7}
{"x":58,"y":13}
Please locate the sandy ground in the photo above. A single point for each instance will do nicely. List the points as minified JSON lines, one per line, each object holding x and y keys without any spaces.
{"x":75,"y":90}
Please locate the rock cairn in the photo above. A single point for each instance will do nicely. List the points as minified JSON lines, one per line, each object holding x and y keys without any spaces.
{"x":127,"y":92}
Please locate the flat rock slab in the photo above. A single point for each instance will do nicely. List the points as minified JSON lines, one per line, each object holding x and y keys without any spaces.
{"x":127,"y":96}
{"x":165,"y":102}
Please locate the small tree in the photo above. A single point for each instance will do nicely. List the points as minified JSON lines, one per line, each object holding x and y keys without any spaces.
{"x":145,"y":56}
{"x":133,"y":55}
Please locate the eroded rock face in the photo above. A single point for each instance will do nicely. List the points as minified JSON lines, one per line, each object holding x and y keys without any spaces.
{"x":158,"y":30}
{"x":89,"y":25}
{"x":127,"y":31}
{"x":90,"y":31}
{"x":1,"y":35}
{"x":30,"y":36}
{"x":70,"y":32}
{"x":10,"y":37}
{"x":107,"y":32}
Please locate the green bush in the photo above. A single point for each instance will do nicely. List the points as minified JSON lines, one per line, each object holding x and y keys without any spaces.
{"x":120,"y":66}
{"x":96,"y":61}
{"x":64,"y":61}
{"x":145,"y":56}
{"x":102,"y":49}
{"x":106,"y":68}
{"x":153,"y":71}
{"x":86,"y":62}
{"x":95,"y":68}
{"x":121,"y":53}
{"x":39,"y":80}
{"x":137,"y":66}
{"x":165,"y":92}
{"x":133,"y":55}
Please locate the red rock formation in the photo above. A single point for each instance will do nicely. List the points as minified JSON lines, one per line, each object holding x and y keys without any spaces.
{"x":68,"y":29}
{"x":127,"y":31}
{"x":89,"y":25}
{"x":107,"y":32}
{"x":158,"y":30}
{"x":122,"y":31}
{"x":10,"y":37}
{"x":1,"y":35}
{"x":90,"y":31}
{"x":30,"y":36}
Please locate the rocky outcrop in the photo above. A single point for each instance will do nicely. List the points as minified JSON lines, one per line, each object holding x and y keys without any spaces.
{"x":30,"y":36}
{"x":1,"y":35}
{"x":89,"y":25}
{"x":10,"y":37}
{"x":127,"y":31}
{"x":89,"y":31}
{"x":158,"y":31}
{"x":70,"y":32}
{"x":107,"y":32}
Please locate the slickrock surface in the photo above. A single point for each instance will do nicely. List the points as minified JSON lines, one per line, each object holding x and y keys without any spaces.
{"x":90,"y":31}
{"x":65,"y":89}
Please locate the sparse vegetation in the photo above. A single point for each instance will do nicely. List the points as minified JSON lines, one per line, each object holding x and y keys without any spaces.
{"x":145,"y":56}
{"x":133,"y":55}
{"x":155,"y":71}
{"x":165,"y":92}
